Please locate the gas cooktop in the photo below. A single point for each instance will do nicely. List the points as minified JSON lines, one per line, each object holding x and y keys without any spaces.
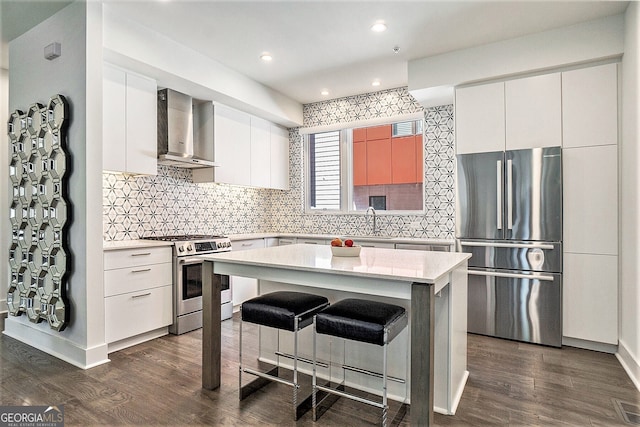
{"x":194,"y":244}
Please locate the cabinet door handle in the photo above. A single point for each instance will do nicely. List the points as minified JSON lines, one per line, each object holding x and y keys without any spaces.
{"x":141,"y":295}
{"x":246,"y":244}
{"x":141,"y":271}
{"x":142,"y":254}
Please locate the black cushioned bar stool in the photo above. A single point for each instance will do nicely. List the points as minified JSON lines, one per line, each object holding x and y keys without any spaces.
{"x":290,"y":311}
{"x":359,"y":320}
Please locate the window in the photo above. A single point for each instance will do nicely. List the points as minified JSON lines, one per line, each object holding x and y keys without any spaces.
{"x":380,"y":166}
{"x":324,"y":167}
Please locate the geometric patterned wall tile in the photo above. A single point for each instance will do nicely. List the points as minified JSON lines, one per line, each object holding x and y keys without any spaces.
{"x":170,"y":203}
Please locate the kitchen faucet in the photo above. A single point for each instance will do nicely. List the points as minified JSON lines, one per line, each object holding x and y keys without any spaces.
{"x":374,"y":229}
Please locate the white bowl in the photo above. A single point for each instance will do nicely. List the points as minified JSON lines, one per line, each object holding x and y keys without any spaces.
{"x":346,"y":250}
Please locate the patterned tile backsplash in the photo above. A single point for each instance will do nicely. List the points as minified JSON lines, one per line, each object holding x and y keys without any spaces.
{"x":170,"y":203}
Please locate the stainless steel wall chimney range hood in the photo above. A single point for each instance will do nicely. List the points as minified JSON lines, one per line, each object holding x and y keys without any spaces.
{"x":175,"y":133}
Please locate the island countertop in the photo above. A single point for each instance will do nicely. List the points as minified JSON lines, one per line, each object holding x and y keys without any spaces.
{"x":376,"y":263}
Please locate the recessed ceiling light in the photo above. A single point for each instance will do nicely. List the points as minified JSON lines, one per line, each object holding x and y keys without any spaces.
{"x":379,"y":27}
{"x":324,"y":92}
{"x":375,"y":83}
{"x":266,"y":57}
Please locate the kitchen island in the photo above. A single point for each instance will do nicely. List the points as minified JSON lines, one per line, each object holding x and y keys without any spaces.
{"x":432,"y":286}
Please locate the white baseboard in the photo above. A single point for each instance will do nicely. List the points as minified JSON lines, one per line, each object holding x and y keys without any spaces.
{"x":138,"y":339}
{"x":56,"y":345}
{"x":590,"y":345}
{"x":630,"y":363}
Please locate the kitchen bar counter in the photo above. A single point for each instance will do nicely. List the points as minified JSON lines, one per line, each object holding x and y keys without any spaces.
{"x":415,"y":277}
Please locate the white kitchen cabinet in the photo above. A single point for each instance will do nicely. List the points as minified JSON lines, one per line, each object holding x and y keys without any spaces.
{"x":129,"y":130}
{"x":312,"y":241}
{"x":287,"y":241}
{"x":279,"y":157}
{"x":244,"y":288}
{"x":590,"y":106}
{"x":251,"y":151}
{"x":479,"y":116}
{"x":232,"y":145}
{"x":533,"y":111}
{"x":270,"y":242}
{"x":375,"y":244}
{"x":590,"y":193}
{"x":590,"y":297}
{"x":590,"y":205}
{"x":260,"y":153}
{"x":138,"y":289}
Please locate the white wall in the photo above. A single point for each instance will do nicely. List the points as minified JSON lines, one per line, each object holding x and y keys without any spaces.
{"x":585,"y":42}
{"x":174,"y":65}
{"x":4,"y":200}
{"x":77,"y":75}
{"x":629,"y":341}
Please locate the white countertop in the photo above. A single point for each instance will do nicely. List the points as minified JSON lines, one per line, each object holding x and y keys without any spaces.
{"x":410,"y":240}
{"x":132,"y":244}
{"x":389,"y":264}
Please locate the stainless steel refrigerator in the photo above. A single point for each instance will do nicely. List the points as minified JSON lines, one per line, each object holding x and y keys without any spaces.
{"x":509,"y":217}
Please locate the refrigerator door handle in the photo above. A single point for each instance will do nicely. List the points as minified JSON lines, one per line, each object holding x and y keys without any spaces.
{"x":542,"y":277}
{"x":499,"y":194}
{"x":510,"y":194}
{"x":509,"y":245}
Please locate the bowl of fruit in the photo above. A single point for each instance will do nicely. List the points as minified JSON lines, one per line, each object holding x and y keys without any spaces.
{"x":344,"y":248}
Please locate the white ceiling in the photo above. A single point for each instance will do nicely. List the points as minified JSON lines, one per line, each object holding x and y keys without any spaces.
{"x":328,"y":44}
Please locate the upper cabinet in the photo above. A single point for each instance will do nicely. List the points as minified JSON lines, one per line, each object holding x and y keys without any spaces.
{"x":129,"y":130}
{"x":232,"y":146}
{"x":479,"y":115}
{"x":590,"y":106}
{"x":533,"y":111}
{"x":279,"y":157}
{"x":260,"y":152}
{"x":251,"y":151}
{"x":522,"y":113}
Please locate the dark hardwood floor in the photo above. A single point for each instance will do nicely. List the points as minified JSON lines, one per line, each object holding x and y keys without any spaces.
{"x":158,"y":383}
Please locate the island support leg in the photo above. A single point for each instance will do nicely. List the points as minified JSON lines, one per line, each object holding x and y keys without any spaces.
{"x":422,"y":362}
{"x":211,"y":327}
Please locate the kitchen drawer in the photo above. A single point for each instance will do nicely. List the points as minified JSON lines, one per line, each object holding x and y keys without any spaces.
{"x":137,"y":278}
{"x":313,"y":241}
{"x":135,"y":257}
{"x":135,"y":313}
{"x":423,"y":247}
{"x":286,"y":241}
{"x":369,"y":244}
{"x":242,"y":245}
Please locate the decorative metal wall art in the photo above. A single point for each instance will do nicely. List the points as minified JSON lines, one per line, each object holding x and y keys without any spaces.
{"x":38,"y":256}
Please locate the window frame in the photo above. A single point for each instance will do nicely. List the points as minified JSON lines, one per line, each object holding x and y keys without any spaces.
{"x":346,"y":174}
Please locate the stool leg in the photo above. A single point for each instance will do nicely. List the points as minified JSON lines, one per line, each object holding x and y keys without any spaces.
{"x":385,"y":408}
{"x":240,"y":358}
{"x":313,"y":381}
{"x":295,"y":369}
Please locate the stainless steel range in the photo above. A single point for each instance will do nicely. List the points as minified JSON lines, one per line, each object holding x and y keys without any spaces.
{"x":187,"y":279}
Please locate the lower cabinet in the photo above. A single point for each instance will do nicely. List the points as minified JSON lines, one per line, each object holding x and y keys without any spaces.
{"x":135,"y":313}
{"x":244,"y":288}
{"x":138,"y":289}
{"x":590,"y":297}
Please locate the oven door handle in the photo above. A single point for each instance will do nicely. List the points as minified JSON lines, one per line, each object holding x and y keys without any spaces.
{"x":182,"y":261}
